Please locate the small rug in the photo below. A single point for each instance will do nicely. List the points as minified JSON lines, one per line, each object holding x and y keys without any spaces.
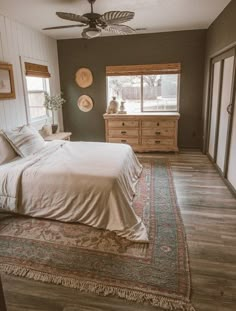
{"x":98,"y":261}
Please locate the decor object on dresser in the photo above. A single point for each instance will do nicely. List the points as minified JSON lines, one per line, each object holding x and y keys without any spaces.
{"x":84,"y":77}
{"x":53,"y":103}
{"x":144,"y":132}
{"x":95,"y":23}
{"x":7,"y":87}
{"x":99,"y":262}
{"x":122,"y":108}
{"x":113,"y":106}
{"x":58,"y":136}
{"x":85,"y":103}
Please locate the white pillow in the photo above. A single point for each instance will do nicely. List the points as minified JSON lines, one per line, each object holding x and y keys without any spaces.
{"x":25,"y":140}
{"x":7,"y":153}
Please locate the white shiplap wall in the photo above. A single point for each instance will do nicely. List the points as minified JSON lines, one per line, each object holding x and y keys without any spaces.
{"x":18,"y":40}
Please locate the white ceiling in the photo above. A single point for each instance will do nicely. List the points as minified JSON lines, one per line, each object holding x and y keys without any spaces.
{"x":154,"y":15}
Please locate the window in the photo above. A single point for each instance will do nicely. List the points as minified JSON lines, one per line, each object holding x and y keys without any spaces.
{"x":36,"y":87}
{"x":154,"y":89}
{"x":37,"y":83}
{"x":126,"y":88}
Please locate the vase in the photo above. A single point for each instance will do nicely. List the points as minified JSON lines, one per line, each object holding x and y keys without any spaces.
{"x":122,"y":108}
{"x":113,"y":106}
{"x":54,"y":128}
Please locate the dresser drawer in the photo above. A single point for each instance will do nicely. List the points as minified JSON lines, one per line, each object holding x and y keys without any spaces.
{"x":122,"y":123}
{"x":123,"y":133}
{"x":145,"y":132}
{"x":131,"y":141}
{"x":157,"y":142}
{"x":165,"y":132}
{"x":158,"y":124}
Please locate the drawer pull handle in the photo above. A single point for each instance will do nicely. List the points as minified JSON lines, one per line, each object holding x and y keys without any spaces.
{"x":158,"y":124}
{"x":158,"y":133}
{"x":123,"y":132}
{"x":123,"y":140}
{"x":123,"y":123}
{"x":157,"y":141}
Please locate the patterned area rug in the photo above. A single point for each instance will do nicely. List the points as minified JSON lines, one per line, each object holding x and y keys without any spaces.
{"x":98,"y":261}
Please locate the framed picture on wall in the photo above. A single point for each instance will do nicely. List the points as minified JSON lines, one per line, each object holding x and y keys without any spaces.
{"x":7,"y":88}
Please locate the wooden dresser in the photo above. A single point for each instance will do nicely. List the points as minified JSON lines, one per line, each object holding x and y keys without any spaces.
{"x":144,"y":132}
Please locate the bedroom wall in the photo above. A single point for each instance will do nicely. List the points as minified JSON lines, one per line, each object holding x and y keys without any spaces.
{"x":221,"y":35}
{"x":18,"y":40}
{"x":187,"y":47}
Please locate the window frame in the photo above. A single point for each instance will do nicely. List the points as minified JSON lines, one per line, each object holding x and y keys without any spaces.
{"x":43,"y":90}
{"x":141,"y":92}
{"x":177,"y":97}
{"x":37,"y":122}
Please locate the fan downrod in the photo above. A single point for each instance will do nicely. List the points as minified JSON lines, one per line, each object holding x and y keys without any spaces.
{"x":91,"y":2}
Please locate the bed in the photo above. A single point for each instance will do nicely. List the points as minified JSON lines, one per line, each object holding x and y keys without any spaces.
{"x":86,"y":182}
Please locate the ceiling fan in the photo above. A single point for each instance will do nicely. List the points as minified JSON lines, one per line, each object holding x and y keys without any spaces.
{"x":95,"y":23}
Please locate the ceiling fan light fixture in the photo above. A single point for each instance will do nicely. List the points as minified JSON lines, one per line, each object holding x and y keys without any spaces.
{"x":92,"y":32}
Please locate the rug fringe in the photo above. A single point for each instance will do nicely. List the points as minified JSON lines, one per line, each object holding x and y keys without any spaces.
{"x":98,"y":288}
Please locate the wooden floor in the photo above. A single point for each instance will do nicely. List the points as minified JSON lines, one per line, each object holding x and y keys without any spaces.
{"x":209,"y":213}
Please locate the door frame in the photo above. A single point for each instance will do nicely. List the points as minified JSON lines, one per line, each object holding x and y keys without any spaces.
{"x":221,"y":57}
{"x":213,"y":61}
{"x":231,"y":114}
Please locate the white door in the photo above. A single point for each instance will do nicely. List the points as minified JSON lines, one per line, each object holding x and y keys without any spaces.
{"x":232,"y":153}
{"x":214,"y":108}
{"x":224,"y":116}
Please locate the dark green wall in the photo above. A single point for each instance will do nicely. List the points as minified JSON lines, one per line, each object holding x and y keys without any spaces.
{"x":187,"y":47}
{"x":221,"y":35}
{"x":222,"y":31}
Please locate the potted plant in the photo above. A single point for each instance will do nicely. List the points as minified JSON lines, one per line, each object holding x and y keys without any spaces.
{"x":53,"y":103}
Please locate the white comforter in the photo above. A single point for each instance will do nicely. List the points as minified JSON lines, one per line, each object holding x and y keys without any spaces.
{"x":90,"y":183}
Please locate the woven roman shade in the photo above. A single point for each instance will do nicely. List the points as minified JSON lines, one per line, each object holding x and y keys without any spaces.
{"x":135,"y":70}
{"x":36,"y":70}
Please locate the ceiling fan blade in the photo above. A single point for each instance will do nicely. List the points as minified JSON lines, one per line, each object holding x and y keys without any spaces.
{"x":141,"y":29}
{"x":84,"y":35}
{"x":60,"y":1}
{"x":120,"y":29}
{"x":60,"y":27}
{"x":73,"y":17}
{"x":66,"y":1}
{"x":117,"y":17}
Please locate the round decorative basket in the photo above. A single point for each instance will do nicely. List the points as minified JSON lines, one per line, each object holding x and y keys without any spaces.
{"x":85,"y":103}
{"x":84,"y":77}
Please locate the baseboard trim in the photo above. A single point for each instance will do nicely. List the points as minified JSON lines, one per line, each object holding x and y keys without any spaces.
{"x":227,"y":183}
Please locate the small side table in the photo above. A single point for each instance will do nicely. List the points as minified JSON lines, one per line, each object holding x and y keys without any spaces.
{"x":59,"y":136}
